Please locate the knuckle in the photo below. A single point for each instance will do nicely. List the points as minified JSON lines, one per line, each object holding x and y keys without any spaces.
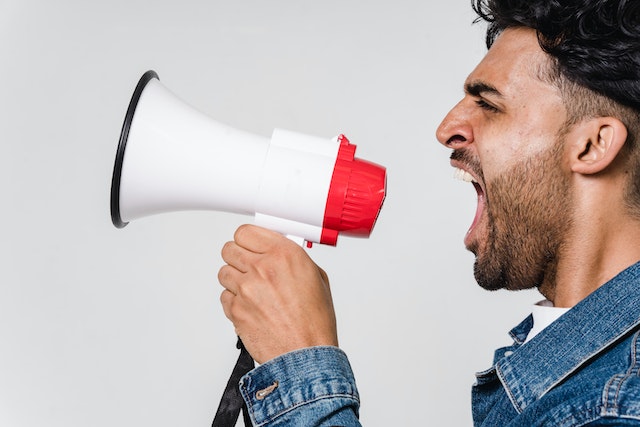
{"x":267,"y":268}
{"x":223,"y":274}
{"x":227,"y":250}
{"x":226,"y":300}
{"x":241,"y":232}
{"x":245,"y":292}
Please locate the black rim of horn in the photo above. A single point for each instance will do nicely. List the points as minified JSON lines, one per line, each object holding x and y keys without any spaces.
{"x":122,"y":145}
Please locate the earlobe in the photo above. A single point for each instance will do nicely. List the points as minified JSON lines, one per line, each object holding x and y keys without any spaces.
{"x":596,"y":144}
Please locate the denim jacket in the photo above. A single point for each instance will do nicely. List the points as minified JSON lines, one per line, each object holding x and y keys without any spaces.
{"x":582,"y":370}
{"x":309,"y":387}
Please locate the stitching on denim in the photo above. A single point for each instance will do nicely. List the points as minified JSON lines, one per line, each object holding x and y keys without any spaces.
{"x":613,"y":384}
{"x":307,"y":402}
{"x":617,"y":381}
{"x":244,"y":390}
{"x":511,"y":396}
{"x":594,"y":355}
{"x":635,"y":369}
{"x":632,"y":367}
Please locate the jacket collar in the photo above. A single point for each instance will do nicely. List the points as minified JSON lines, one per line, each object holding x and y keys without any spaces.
{"x":576,"y":337}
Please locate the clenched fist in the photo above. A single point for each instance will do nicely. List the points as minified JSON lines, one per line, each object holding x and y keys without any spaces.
{"x":277,"y":298}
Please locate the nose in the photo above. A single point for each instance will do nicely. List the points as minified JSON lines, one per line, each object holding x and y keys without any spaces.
{"x":456,"y":131}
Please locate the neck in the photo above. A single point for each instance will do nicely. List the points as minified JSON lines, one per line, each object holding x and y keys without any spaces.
{"x":602,"y":241}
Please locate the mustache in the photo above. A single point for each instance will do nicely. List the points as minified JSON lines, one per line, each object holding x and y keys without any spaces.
{"x":464,"y":156}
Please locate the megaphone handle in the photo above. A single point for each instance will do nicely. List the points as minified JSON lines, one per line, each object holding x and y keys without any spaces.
{"x":232,"y":402}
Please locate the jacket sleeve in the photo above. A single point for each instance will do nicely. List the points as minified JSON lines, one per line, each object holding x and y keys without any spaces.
{"x":310,"y":387}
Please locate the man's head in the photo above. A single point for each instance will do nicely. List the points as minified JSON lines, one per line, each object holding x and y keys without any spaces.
{"x":511,"y":134}
{"x":594,"y":58}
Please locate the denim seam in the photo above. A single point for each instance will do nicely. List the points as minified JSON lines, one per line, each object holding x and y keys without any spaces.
{"x":511,"y":396}
{"x":617,"y":381}
{"x":592,"y":356}
{"x":248,"y":401}
{"x":306,"y":402}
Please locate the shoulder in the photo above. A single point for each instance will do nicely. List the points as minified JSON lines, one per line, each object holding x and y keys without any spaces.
{"x":604,"y":391}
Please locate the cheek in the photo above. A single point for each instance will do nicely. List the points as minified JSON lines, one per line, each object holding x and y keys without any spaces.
{"x":505,"y":149}
{"x":499,"y":147}
{"x":495,"y":162}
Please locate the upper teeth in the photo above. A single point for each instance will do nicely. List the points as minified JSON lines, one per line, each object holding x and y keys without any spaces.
{"x":463,"y":175}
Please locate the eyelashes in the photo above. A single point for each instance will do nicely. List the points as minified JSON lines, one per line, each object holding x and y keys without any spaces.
{"x":486,"y":106}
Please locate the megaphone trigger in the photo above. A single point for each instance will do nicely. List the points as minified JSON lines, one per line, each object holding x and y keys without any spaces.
{"x":299,"y":240}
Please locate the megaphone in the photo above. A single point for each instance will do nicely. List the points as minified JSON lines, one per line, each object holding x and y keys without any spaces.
{"x":171,"y":157}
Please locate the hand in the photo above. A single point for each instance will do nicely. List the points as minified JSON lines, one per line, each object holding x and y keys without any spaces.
{"x":277,"y":298}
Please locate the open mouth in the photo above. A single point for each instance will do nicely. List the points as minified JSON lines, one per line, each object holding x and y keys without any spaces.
{"x":465,"y":176}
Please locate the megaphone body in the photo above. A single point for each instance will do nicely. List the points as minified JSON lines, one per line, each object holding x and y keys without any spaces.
{"x":171,"y":158}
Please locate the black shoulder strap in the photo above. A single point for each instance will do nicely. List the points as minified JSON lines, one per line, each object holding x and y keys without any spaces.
{"x":232,"y":402}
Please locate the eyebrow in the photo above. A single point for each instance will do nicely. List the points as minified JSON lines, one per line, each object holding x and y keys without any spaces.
{"x":480,"y":88}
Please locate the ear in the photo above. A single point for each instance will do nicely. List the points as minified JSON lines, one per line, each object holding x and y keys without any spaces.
{"x":595,"y":144}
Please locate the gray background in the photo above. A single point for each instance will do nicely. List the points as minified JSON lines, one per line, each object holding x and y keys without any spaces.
{"x":103,"y":327}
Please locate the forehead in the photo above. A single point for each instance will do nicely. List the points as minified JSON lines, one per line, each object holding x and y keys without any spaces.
{"x":514,"y":65}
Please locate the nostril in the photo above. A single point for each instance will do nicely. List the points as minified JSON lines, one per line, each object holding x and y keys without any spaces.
{"x":456,"y":139}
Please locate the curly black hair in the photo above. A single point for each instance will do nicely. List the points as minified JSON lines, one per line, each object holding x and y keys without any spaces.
{"x":596,"y":43}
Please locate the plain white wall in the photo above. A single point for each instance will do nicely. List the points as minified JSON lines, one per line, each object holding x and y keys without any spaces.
{"x":103,"y":327}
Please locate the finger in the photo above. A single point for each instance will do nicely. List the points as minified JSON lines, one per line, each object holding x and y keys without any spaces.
{"x":226,"y":300}
{"x":229,"y":277}
{"x":236,"y":256}
{"x":258,"y":239}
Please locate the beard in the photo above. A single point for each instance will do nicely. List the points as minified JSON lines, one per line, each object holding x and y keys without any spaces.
{"x":527,"y":217}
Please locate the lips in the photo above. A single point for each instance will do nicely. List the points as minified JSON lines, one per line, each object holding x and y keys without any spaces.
{"x":461,"y":173}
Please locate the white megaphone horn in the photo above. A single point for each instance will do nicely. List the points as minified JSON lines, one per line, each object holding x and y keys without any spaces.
{"x":171,"y":158}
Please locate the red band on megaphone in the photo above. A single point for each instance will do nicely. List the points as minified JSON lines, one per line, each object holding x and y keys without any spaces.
{"x":356,"y":194}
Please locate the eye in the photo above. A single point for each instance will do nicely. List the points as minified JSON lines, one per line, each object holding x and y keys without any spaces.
{"x":485,"y":106}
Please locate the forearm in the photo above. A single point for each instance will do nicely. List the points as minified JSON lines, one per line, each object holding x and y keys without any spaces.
{"x":309,"y":387}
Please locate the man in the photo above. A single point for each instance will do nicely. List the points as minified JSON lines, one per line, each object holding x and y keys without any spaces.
{"x":547,"y":132}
